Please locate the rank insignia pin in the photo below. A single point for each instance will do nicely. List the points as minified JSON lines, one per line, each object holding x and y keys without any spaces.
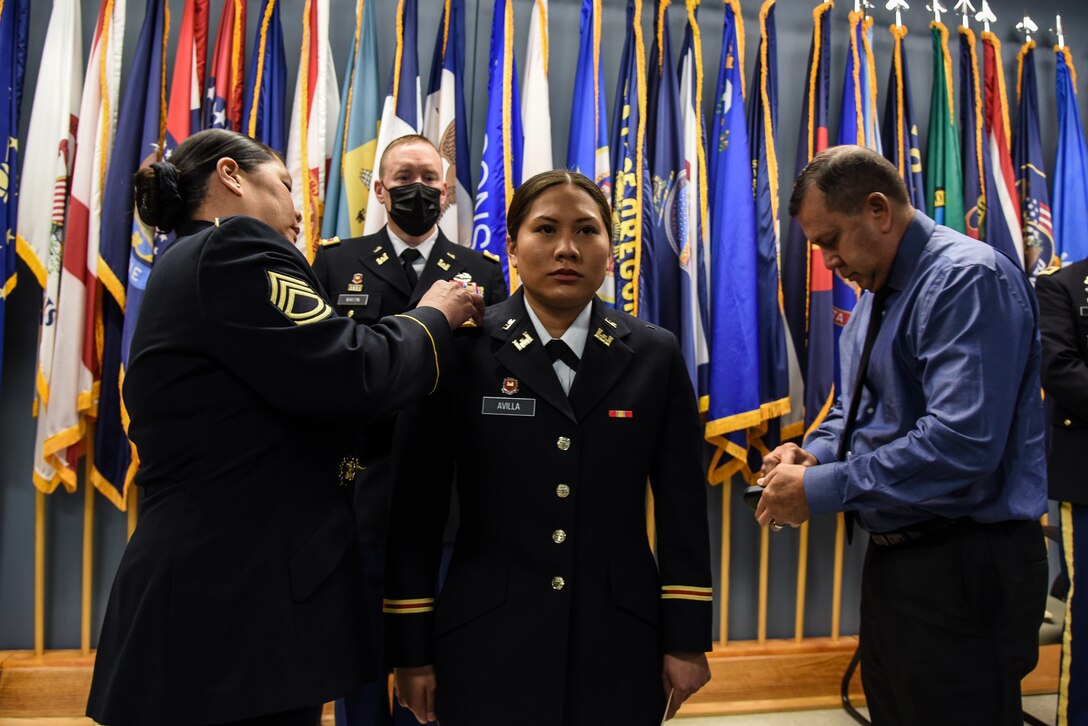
{"x":523,"y":341}
{"x":610,"y":322}
{"x":509,"y":323}
{"x":383,"y":259}
{"x":378,"y":248}
{"x":601,"y":336}
{"x":509,"y":386}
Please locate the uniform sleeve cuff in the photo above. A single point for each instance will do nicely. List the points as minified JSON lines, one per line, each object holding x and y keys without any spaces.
{"x":824,"y":485}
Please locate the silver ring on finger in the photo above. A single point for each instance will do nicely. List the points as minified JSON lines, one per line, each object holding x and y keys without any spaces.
{"x":775,"y":526}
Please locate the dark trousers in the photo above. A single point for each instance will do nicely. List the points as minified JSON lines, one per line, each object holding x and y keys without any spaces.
{"x":308,"y":716}
{"x":950,"y":624}
{"x":1073,"y":683}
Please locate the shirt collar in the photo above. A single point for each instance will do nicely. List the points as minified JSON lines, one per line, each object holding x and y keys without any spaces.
{"x":423,"y":247}
{"x":575,"y":336}
{"x":910,"y":249}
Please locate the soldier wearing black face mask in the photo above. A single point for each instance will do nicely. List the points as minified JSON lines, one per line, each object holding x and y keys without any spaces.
{"x":381,"y":274}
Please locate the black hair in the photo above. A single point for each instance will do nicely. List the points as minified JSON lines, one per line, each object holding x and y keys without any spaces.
{"x":527,"y":193}
{"x":169,"y":191}
{"x":847,"y":175}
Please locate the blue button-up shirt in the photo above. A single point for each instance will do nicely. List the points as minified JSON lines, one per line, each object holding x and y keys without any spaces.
{"x":950,"y":422}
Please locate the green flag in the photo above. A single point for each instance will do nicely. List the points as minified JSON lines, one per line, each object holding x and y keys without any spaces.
{"x":944,"y":176}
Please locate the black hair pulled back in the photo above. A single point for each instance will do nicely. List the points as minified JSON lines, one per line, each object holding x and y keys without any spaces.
{"x":170,"y":191}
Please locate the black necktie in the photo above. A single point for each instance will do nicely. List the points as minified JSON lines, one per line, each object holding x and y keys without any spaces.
{"x":558,"y":350}
{"x":876,"y":315}
{"x":408,"y":258}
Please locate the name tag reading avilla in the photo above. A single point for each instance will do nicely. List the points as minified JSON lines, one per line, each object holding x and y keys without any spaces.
{"x":495,"y":406}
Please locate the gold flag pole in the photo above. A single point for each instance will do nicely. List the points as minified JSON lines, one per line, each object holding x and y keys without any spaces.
{"x":131,"y":506}
{"x":723,"y":603}
{"x":39,"y":571}
{"x":802,"y":581}
{"x":88,"y":551}
{"x":836,"y":592}
{"x":764,"y":560}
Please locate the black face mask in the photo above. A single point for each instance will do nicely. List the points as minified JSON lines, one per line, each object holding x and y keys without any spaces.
{"x":414,"y":207}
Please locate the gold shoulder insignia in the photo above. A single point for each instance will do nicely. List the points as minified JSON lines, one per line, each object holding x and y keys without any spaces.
{"x":522,"y":342}
{"x":378,"y":248}
{"x":296,"y":299}
{"x":451,"y":255}
{"x":1049,"y":271}
{"x":330,"y":242}
{"x":491,"y":256}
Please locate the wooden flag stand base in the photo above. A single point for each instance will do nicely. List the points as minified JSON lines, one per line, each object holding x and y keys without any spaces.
{"x":778,"y":675}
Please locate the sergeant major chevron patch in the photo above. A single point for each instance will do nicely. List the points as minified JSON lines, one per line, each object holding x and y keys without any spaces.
{"x":296,"y":299}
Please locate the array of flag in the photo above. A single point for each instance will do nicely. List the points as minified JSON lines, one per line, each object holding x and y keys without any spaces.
{"x":696,"y":224}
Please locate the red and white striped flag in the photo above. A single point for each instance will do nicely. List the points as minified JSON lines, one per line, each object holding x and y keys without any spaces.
{"x":313,"y":124}
{"x":73,"y":379}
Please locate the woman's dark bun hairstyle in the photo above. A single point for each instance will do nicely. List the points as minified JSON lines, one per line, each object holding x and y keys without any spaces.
{"x":157,"y":198}
{"x":170,"y":191}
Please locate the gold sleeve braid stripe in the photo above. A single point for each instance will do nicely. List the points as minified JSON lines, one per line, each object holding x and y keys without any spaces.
{"x":408,"y":607}
{"x":687,"y":592}
{"x":434,"y":348}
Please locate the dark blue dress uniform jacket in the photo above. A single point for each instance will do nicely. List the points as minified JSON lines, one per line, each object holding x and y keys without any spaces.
{"x":337,"y":265}
{"x":1063,"y":323}
{"x":554,"y":610}
{"x":237,"y":595}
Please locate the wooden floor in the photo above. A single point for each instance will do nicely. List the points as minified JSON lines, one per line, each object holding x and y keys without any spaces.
{"x":747,"y":678}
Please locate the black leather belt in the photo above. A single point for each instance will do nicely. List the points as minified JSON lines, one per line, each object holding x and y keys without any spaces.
{"x":932,"y":529}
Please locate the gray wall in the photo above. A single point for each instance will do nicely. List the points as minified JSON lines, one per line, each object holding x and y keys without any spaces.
{"x":64,"y":520}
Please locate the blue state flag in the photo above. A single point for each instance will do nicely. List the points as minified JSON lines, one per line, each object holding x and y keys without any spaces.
{"x":972,"y":138}
{"x":856,"y":126}
{"x":14,"y":24}
{"x":900,"y":130}
{"x":500,"y":166}
{"x":806,"y":281}
{"x":265,"y":104}
{"x":666,"y":203}
{"x":1027,"y":158}
{"x":587,"y":147}
{"x":628,"y":164}
{"x":781,"y":391}
{"x":126,"y":247}
{"x":734,"y":396}
{"x":1070,"y":168}
{"x":445,"y":122}
{"x":693,"y":237}
{"x":356,"y":133}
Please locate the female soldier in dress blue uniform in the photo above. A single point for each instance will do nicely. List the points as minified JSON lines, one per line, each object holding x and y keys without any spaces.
{"x":558,"y":412}
{"x":237,"y":597}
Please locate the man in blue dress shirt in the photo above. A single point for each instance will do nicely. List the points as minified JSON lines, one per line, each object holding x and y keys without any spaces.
{"x":935,"y":447}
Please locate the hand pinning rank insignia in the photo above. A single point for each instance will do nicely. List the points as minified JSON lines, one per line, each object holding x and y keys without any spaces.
{"x":296,"y":299}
